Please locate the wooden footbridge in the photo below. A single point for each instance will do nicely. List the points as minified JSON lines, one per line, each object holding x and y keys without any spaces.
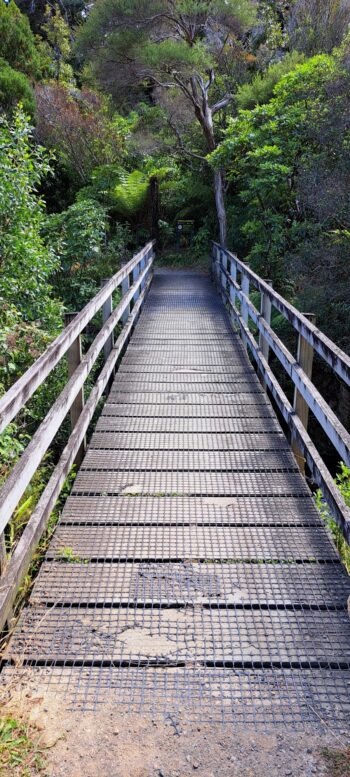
{"x":190,"y":569}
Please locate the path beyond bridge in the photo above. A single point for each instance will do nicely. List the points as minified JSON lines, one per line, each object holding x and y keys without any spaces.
{"x":190,"y":568}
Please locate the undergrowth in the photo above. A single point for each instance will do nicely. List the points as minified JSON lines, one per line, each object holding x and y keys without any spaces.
{"x":342,"y":481}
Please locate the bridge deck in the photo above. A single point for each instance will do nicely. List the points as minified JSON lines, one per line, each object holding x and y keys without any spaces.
{"x":190,"y":568}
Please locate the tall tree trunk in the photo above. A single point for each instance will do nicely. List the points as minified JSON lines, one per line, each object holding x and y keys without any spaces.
{"x":220,"y":205}
{"x":204,"y":115}
{"x":155,"y":209}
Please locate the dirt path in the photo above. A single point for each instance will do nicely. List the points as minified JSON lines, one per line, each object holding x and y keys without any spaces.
{"x":113,"y":744}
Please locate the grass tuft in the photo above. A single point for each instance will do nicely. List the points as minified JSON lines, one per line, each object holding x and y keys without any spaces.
{"x":337,"y":762}
{"x":21,"y":750}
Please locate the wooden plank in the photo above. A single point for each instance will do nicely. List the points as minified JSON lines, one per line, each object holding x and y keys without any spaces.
{"x":188,"y":442}
{"x":188,"y":583}
{"x":215,"y":510}
{"x":194,"y":542}
{"x":191,"y":483}
{"x":186,"y":461}
{"x":234,"y":636}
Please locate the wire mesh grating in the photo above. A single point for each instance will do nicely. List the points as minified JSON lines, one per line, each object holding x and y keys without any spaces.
{"x":190,"y":569}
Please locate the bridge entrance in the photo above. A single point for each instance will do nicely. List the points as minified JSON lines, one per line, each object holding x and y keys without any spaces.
{"x":190,"y":568}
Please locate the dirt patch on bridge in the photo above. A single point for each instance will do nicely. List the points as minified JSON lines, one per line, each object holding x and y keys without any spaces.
{"x":109,"y":743}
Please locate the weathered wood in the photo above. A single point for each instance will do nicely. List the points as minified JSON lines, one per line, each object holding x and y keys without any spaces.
{"x":318,"y":469}
{"x":125,"y":286}
{"x":3,"y":554}
{"x":19,"y":394}
{"x":334,"y":429}
{"x":233,"y":276}
{"x":265,"y":309}
{"x":23,"y":471}
{"x":107,"y":309}
{"x":337,"y":359}
{"x":245,"y":294}
{"x":74,"y":357}
{"x":21,"y":558}
{"x":305,"y":357}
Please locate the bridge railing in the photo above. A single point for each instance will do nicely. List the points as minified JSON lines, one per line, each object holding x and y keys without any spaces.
{"x":236,"y":281}
{"x":133,"y":280}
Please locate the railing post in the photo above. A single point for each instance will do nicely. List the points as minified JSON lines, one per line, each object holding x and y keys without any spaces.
{"x":216,"y":267}
{"x":74,"y":356}
{"x":125,"y":286}
{"x":3,"y":554}
{"x":135,"y":275}
{"x":107,"y":309}
{"x":233,"y":274}
{"x":223,"y":279}
{"x":245,"y":290}
{"x":265,"y":309}
{"x":305,"y":355}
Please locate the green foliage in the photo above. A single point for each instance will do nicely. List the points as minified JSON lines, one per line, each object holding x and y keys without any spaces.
{"x":58,"y":37}
{"x":21,"y":752}
{"x":289,"y":165}
{"x":129,"y":195}
{"x":342,"y":480}
{"x":261,"y":89}
{"x":87,"y":252}
{"x":15,"y":88}
{"x":27,"y":264}
{"x":17,"y":42}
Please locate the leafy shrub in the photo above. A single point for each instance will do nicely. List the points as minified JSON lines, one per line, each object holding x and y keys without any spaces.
{"x":342,"y":480}
{"x":15,"y":88}
{"x":27,"y":263}
{"x":17,"y":42}
{"x":261,"y":88}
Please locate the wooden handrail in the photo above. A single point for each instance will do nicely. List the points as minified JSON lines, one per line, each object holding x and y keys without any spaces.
{"x":21,"y":391}
{"x":226,"y":268}
{"x":337,"y":359}
{"x":12,"y":403}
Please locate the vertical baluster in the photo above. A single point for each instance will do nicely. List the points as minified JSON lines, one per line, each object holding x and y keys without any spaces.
{"x":233,"y":274}
{"x":305,"y":357}
{"x":74,"y":356}
{"x":223,"y":279}
{"x":107,"y":309}
{"x":135,"y":276}
{"x":125,"y":286}
{"x":265,"y":309}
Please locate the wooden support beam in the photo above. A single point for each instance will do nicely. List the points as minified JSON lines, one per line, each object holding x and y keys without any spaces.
{"x":305,"y":357}
{"x":135,"y":275}
{"x":265,"y":309}
{"x":3,"y":554}
{"x":74,"y":357}
{"x":125,"y":286}
{"x":107,"y":309}
{"x":233,"y":274}
{"x":245,"y":291}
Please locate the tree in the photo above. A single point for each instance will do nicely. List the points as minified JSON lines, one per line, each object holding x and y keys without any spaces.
{"x":176,"y":47}
{"x":289,"y":164}
{"x":17,"y":42}
{"x":26,"y":263}
{"x":79,"y":125}
{"x":58,"y":37}
{"x":15,"y":88}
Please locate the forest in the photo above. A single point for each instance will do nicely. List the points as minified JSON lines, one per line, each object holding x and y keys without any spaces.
{"x":120,"y":119}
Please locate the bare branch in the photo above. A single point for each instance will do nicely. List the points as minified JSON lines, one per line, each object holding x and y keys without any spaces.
{"x":221,"y":104}
{"x":181,"y":144}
